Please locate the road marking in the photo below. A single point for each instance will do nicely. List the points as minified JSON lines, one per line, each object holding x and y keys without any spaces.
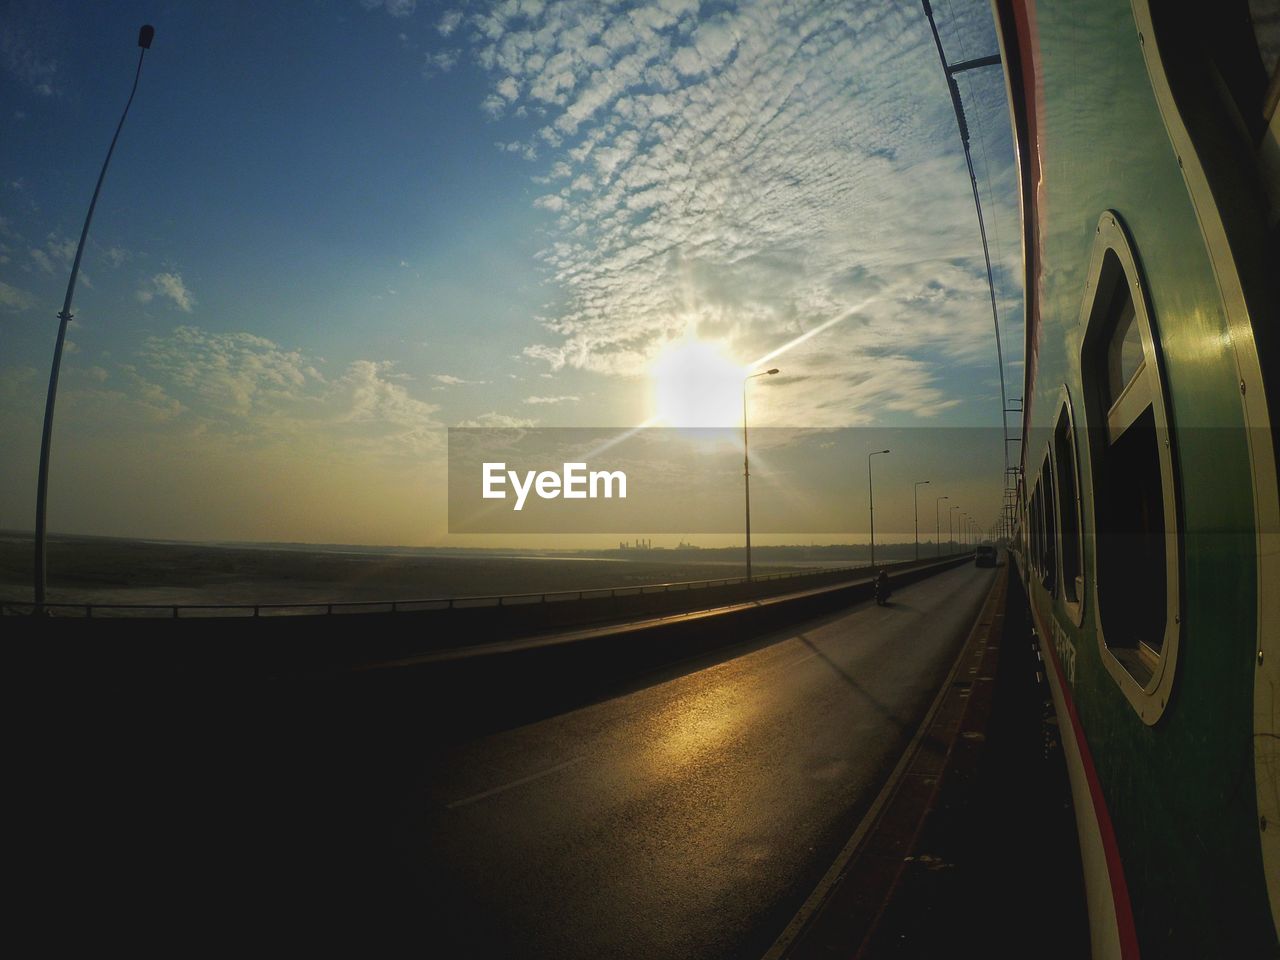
{"x":514,"y":783}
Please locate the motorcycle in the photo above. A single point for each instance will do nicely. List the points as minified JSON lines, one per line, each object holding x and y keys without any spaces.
{"x":883,"y":591}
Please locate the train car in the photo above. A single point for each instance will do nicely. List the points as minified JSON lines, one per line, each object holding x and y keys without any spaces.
{"x":1149,"y":166}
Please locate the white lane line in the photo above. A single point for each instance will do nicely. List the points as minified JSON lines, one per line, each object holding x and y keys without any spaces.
{"x":514,"y":783}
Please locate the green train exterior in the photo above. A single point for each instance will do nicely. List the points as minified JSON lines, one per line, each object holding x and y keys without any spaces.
{"x":1149,"y":160}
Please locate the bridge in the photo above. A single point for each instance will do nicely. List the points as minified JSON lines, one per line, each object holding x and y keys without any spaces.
{"x":727,"y":769}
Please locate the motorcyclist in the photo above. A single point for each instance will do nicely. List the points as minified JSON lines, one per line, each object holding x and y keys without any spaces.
{"x":882,"y":585}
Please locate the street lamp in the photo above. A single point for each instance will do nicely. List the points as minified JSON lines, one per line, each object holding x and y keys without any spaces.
{"x":915,"y":498}
{"x":872,"y":503}
{"x":951,"y":536}
{"x":937,"y":525}
{"x":746,"y":465}
{"x":960,"y":527}
{"x":145,"y":36}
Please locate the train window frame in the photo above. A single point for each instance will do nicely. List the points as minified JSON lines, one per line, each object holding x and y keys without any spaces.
{"x":1144,"y":674}
{"x":1074,"y":588}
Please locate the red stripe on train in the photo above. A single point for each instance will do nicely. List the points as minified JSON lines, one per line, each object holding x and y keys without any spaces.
{"x":1115,"y":869}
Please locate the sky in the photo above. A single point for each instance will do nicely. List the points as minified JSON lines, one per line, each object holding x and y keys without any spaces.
{"x":332,"y":230}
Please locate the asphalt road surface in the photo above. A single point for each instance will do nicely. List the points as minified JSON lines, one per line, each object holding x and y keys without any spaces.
{"x":686,"y":816}
{"x":687,"y":819}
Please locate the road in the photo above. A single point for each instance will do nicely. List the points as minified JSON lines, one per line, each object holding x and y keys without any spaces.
{"x":686,"y":816}
{"x":686,"y":819}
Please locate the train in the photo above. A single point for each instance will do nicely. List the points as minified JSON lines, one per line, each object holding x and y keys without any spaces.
{"x":1144,"y":509}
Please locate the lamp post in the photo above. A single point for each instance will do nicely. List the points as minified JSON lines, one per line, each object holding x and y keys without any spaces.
{"x":145,"y":36}
{"x":871,"y":502}
{"x":915,"y":500}
{"x":951,"y":536}
{"x":960,"y":528}
{"x":746,"y":463}
{"x":937,"y":525}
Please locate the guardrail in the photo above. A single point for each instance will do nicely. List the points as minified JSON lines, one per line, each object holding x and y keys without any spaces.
{"x":753,"y":588}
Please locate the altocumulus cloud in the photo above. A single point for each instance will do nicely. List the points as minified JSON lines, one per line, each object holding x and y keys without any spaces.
{"x":243,"y":385}
{"x":15,"y":299}
{"x":169,"y":286}
{"x":749,"y":174}
{"x":538,"y":401}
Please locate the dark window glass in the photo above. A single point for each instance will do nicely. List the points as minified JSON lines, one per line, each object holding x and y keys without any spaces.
{"x":1034,"y":523}
{"x":1131,"y":544}
{"x":1049,"y":559}
{"x":1064,"y":450}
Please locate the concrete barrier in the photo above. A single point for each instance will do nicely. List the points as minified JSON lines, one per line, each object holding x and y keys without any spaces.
{"x":507,"y":649}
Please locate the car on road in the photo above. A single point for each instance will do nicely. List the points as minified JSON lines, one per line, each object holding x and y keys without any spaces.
{"x":985,"y":556}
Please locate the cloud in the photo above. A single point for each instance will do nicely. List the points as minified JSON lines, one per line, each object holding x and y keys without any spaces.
{"x":171,"y":286}
{"x":244,"y":385}
{"x":542,"y":400}
{"x":753,"y":174}
{"x":232,"y":373}
{"x":448,"y":22}
{"x":13,"y":299}
{"x":440,"y":62}
{"x":451,"y":381}
{"x":397,"y":8}
{"x":25,"y":57}
{"x":56,"y":254}
{"x":493,"y":419}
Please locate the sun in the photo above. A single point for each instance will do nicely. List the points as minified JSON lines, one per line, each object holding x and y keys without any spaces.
{"x":695,"y":385}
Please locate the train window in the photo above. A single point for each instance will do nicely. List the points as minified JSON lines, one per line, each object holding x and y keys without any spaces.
{"x":1064,"y":455}
{"x":1134,"y":514}
{"x":1031,"y":531}
{"x":1037,"y":526}
{"x":1048,"y":546}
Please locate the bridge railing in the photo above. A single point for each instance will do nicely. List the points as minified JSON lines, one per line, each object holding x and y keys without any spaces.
{"x":498,"y":615}
{"x":758,"y":586}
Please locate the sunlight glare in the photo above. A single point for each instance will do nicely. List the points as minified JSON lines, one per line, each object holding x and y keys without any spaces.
{"x":695,"y":385}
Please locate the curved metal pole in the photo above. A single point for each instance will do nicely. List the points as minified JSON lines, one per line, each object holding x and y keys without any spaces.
{"x":951,"y":70}
{"x":46,"y":438}
{"x":937,"y":525}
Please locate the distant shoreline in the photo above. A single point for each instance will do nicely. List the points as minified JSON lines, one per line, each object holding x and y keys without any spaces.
{"x":111,"y":570}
